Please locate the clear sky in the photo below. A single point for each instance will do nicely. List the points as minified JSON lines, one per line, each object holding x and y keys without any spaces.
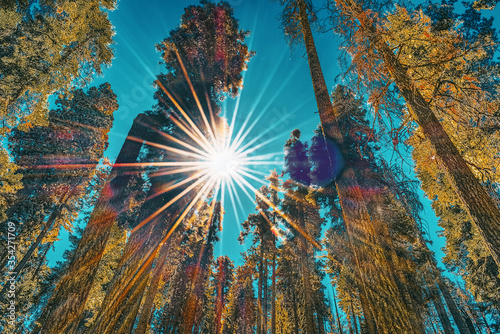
{"x":277,"y":92}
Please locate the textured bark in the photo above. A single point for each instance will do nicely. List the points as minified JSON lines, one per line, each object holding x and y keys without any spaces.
{"x":273,"y":296}
{"x":341,"y":331}
{"x":259,"y":291}
{"x":326,"y":112}
{"x":370,"y":323}
{"x":265,"y":298}
{"x":308,"y":303}
{"x":443,"y":317}
{"x":147,"y":308}
{"x":355,"y":325}
{"x":128,"y":283}
{"x":482,"y":210}
{"x":66,"y":305}
{"x":452,"y":306}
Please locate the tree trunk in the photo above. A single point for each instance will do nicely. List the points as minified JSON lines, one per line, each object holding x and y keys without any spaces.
{"x":273,"y":296}
{"x":370,"y":323}
{"x":308,"y":304}
{"x":259,"y":291}
{"x":443,"y":317}
{"x":452,"y":306}
{"x":66,"y":305}
{"x":133,"y":270}
{"x":326,"y":112}
{"x":46,"y":228}
{"x":482,"y":210}
{"x":295,"y":316}
{"x":147,"y":312}
{"x":265,"y":298}
{"x":354,"y":319}
{"x":337,"y":312}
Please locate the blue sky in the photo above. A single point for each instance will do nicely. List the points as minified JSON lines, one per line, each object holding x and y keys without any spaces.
{"x":277,"y":87}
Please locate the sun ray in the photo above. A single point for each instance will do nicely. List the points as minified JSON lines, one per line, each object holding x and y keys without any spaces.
{"x":167,"y":148}
{"x":178,"y":122}
{"x":177,"y":185}
{"x":174,"y":171}
{"x":186,"y":116}
{"x":178,"y":141}
{"x":172,"y":201}
{"x":231,"y":196}
{"x":157,"y":164}
{"x":186,"y":76}
{"x":152,"y":254}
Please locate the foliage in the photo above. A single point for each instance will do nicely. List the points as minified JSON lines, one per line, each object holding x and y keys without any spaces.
{"x":47,"y":48}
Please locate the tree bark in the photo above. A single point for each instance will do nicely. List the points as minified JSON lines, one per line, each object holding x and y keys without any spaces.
{"x":265,"y":298}
{"x":132,"y":271}
{"x":308,"y":304}
{"x":259,"y":291}
{"x":443,"y":317}
{"x":145,"y":316}
{"x":337,"y":312}
{"x":273,"y":288}
{"x":66,"y":305}
{"x":452,"y":306}
{"x":370,"y":323}
{"x":482,"y":210}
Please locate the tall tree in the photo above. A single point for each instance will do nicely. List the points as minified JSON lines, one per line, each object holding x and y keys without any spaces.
{"x":37,"y":38}
{"x":261,"y":226}
{"x":67,"y":303}
{"x":57,"y":164}
{"x":365,"y":36}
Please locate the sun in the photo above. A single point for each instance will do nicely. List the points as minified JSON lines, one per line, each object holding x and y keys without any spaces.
{"x":223,"y":164}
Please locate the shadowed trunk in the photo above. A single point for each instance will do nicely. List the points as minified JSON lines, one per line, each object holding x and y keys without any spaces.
{"x":265,"y":298}
{"x":337,"y":312}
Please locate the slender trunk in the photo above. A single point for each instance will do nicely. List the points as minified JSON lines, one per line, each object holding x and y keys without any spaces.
{"x":66,"y":305}
{"x":46,"y":228}
{"x":482,"y":210}
{"x":432,"y":319}
{"x":219,"y":306}
{"x":273,"y":296}
{"x":326,"y":112}
{"x":337,"y":312}
{"x":469,"y":321}
{"x":443,"y":317}
{"x":147,"y":308}
{"x":452,"y":306}
{"x":308,"y":304}
{"x":488,"y":328}
{"x":265,"y":298}
{"x":259,"y":291}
